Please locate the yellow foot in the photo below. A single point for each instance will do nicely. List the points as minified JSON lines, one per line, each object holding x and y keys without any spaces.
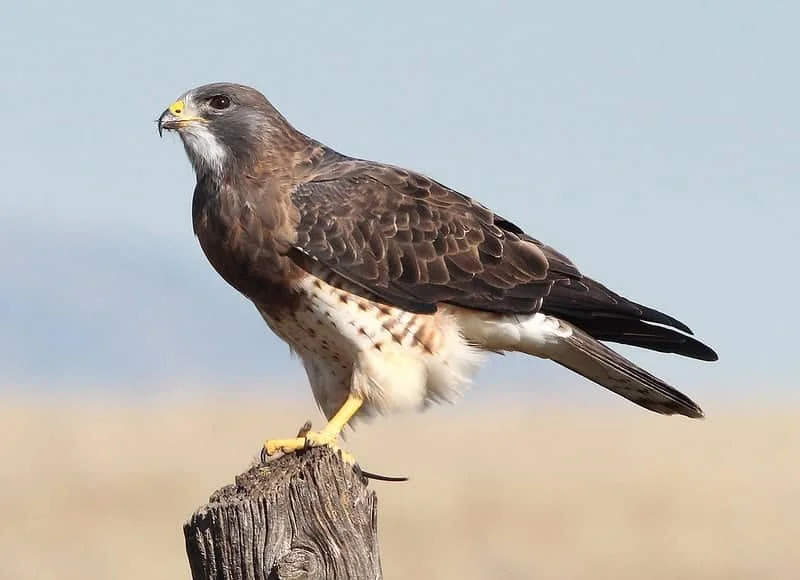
{"x":326,"y":438}
{"x":305,"y":439}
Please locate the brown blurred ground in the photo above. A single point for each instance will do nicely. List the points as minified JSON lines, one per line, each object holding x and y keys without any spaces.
{"x":100,"y":489}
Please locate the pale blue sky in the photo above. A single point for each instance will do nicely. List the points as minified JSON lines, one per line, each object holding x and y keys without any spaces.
{"x":657,"y":145}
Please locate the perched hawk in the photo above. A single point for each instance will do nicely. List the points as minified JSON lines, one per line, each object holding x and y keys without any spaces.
{"x":387,"y":284}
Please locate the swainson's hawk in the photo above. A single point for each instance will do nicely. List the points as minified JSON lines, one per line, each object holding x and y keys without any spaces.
{"x":389,"y":285}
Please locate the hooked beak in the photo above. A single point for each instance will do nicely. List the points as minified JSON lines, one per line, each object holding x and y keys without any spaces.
{"x":176,"y":116}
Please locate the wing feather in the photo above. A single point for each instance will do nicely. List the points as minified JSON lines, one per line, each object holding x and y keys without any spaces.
{"x":436,"y":245}
{"x":412,"y":242}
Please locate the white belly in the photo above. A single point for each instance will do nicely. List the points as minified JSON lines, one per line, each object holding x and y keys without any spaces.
{"x":400,"y":360}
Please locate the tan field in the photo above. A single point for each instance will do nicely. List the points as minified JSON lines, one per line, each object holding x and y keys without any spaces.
{"x":100,"y":489}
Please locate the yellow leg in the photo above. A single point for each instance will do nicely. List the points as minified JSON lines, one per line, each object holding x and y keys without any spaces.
{"x":327,"y":437}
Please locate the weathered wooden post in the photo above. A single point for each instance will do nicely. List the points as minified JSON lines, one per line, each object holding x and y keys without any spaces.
{"x":302,"y":516}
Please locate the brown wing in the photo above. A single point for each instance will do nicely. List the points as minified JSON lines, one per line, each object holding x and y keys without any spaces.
{"x":413,"y":242}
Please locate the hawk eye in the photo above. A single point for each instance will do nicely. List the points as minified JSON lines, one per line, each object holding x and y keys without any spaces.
{"x":219,"y":102}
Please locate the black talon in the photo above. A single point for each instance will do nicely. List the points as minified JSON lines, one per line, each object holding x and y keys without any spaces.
{"x":379,"y":477}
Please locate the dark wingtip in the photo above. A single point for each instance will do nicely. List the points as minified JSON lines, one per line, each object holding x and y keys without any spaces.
{"x":699,"y":351}
{"x":653,"y":315}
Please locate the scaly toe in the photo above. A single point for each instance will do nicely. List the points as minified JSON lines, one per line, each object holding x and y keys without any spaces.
{"x":305,"y":440}
{"x":320,"y":439}
{"x":275,"y":446}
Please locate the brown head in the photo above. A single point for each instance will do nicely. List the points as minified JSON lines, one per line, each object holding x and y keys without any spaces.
{"x":227,"y":129}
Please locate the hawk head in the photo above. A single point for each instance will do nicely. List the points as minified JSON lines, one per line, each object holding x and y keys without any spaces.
{"x":224,"y":127}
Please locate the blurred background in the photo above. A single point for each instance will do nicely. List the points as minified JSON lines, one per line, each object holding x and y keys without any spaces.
{"x":655,"y":145}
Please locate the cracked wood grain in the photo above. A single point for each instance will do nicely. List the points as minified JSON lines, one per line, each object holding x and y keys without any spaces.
{"x":305,"y":516}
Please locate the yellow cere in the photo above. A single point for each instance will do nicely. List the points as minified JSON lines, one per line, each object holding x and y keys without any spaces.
{"x":176,"y":108}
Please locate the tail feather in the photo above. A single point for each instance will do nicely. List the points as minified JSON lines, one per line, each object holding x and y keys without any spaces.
{"x":584,"y":355}
{"x":554,"y":338}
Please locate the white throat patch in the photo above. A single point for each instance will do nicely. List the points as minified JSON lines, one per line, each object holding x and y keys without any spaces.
{"x":205,"y":152}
